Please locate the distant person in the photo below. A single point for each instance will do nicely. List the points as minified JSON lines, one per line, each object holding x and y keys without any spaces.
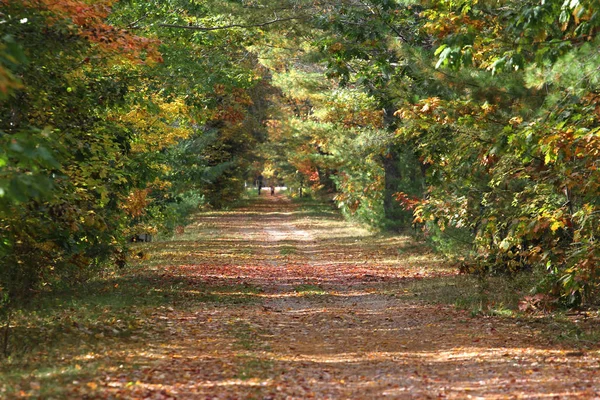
{"x":259,"y":182}
{"x":272,"y":190}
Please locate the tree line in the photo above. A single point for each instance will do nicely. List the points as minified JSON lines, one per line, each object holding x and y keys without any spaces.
{"x":109,"y":131}
{"x":473,"y":122}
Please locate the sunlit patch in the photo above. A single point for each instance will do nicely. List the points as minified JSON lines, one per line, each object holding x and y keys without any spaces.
{"x":237,"y":382}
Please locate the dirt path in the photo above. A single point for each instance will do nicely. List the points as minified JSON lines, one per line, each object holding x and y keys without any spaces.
{"x":326,"y":314}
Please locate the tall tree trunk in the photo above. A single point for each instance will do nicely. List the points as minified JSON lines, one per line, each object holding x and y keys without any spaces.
{"x":392,"y":176}
{"x":6,"y":334}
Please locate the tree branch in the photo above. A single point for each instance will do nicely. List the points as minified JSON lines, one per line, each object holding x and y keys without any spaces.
{"x":214,"y":28}
{"x":133,"y":25}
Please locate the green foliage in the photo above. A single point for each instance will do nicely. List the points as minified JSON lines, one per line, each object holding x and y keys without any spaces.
{"x":517,"y":180}
{"x":475,"y":122}
{"x":54,"y":209}
{"x":360,"y":177}
{"x":96,"y":130}
{"x":480,"y":121}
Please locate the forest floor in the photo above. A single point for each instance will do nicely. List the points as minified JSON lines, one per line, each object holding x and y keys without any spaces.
{"x":280,"y":300}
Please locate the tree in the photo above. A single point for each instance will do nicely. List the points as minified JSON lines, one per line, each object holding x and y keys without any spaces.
{"x":474,"y":120}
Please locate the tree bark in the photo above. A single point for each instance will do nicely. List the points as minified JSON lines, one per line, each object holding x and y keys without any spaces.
{"x":392,"y":177}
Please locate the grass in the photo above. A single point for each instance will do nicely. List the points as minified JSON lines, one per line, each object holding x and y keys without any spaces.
{"x":253,"y":367}
{"x":308,"y":289}
{"x":487,"y":295}
{"x":249,"y":339}
{"x":573,"y":330}
{"x":246,"y":251}
{"x":497,"y":296}
{"x":287,"y":250}
{"x":500,"y":296}
{"x":59,"y":338}
{"x":309,"y":207}
{"x":114,"y":308}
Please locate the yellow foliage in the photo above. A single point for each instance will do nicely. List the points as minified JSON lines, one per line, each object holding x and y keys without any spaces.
{"x":160,"y":184}
{"x":136,"y":202}
{"x":8,"y":82}
{"x":268,"y":171}
{"x":157,"y":130}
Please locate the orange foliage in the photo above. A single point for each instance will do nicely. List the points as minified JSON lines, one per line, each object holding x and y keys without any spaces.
{"x":351,"y":118}
{"x":229,"y":114}
{"x":90,"y":21}
{"x":407,"y":202}
{"x":232,"y":104}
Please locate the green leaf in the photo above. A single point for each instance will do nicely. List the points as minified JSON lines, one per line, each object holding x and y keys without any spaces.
{"x":505,"y":244}
{"x":443,"y":57}
{"x":440,"y":49}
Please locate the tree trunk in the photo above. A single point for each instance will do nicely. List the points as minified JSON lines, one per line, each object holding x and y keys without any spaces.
{"x":392,"y":178}
{"x":6,"y":334}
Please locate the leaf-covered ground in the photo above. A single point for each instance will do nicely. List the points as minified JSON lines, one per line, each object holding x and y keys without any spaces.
{"x":276,"y":300}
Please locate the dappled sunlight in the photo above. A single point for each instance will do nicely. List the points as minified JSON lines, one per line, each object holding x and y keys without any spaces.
{"x":467,"y":354}
{"x":237,"y":382}
{"x":274,"y":304}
